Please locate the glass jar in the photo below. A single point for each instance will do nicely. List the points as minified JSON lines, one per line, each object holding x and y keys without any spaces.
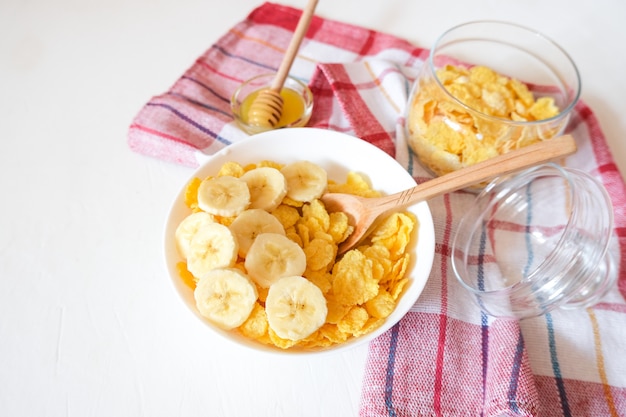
{"x":536,"y":241}
{"x":297,"y":103}
{"x":459,"y":113}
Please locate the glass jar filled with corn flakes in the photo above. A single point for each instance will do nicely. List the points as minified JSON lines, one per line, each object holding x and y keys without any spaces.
{"x":486,"y":88}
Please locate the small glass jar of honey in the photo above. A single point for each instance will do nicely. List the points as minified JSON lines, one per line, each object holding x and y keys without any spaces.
{"x":297,"y":103}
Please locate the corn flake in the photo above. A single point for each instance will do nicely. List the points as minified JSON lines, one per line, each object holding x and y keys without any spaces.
{"x":544,"y":108}
{"x":319,"y":278}
{"x":279,"y":341}
{"x":317,"y":340}
{"x":271,"y":164}
{"x":332,"y":333}
{"x":293,"y":235}
{"x":191,"y":194}
{"x":353,"y":281}
{"x":320,"y":253}
{"x":381,"y":261}
{"x":232,"y":169}
{"x":185,"y":275}
{"x":394,"y":233}
{"x":315,"y":216}
{"x":397,"y":288}
{"x":304,"y":234}
{"x":256,"y":326}
{"x":355,"y":184}
{"x":399,"y":268}
{"x":288,"y":216}
{"x":291,"y":202}
{"x":354,"y":320}
{"x":370,"y":325}
{"x":336,"y":310}
{"x":381,"y":306}
{"x":339,"y":227}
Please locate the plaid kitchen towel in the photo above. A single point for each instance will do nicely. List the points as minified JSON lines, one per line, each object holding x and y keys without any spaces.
{"x":445,"y":357}
{"x":193,"y":119}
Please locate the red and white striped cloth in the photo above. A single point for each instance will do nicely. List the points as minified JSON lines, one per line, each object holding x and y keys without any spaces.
{"x":446,"y":357}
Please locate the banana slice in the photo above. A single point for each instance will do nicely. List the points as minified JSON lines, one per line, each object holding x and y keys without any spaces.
{"x":226,"y":297}
{"x":251,"y":223}
{"x":187,"y":228}
{"x":267,"y":187}
{"x":213,"y":246}
{"x":295,"y":307}
{"x":223,"y":196}
{"x":273,"y":256}
{"x":306,"y":181}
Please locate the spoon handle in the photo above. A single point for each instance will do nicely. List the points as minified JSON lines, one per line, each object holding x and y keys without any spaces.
{"x":518,"y":159}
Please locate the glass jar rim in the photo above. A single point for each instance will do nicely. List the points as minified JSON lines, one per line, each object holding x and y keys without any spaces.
{"x":563,"y":113}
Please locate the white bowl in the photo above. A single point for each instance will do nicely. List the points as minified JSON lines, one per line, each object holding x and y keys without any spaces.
{"x":339,"y":154}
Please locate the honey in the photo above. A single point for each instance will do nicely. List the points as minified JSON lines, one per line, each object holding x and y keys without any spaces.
{"x":293,"y":106}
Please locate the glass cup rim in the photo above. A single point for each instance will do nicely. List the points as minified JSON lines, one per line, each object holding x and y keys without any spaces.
{"x":562,"y":114}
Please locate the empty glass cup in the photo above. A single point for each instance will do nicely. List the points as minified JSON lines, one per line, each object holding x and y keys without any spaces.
{"x":536,"y":241}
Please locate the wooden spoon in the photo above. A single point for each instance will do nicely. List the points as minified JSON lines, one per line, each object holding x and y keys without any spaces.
{"x":267,"y":107}
{"x":363,"y":212}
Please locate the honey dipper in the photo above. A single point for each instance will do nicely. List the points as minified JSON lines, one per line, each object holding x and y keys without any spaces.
{"x":267,"y":107}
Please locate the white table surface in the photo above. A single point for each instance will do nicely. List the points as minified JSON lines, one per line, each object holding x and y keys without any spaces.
{"x":89,"y":323}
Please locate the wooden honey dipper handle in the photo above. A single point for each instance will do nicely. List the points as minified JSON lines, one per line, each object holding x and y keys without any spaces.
{"x":294,"y":45}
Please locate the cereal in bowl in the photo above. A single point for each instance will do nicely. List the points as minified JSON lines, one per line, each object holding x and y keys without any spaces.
{"x":263,"y":262}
